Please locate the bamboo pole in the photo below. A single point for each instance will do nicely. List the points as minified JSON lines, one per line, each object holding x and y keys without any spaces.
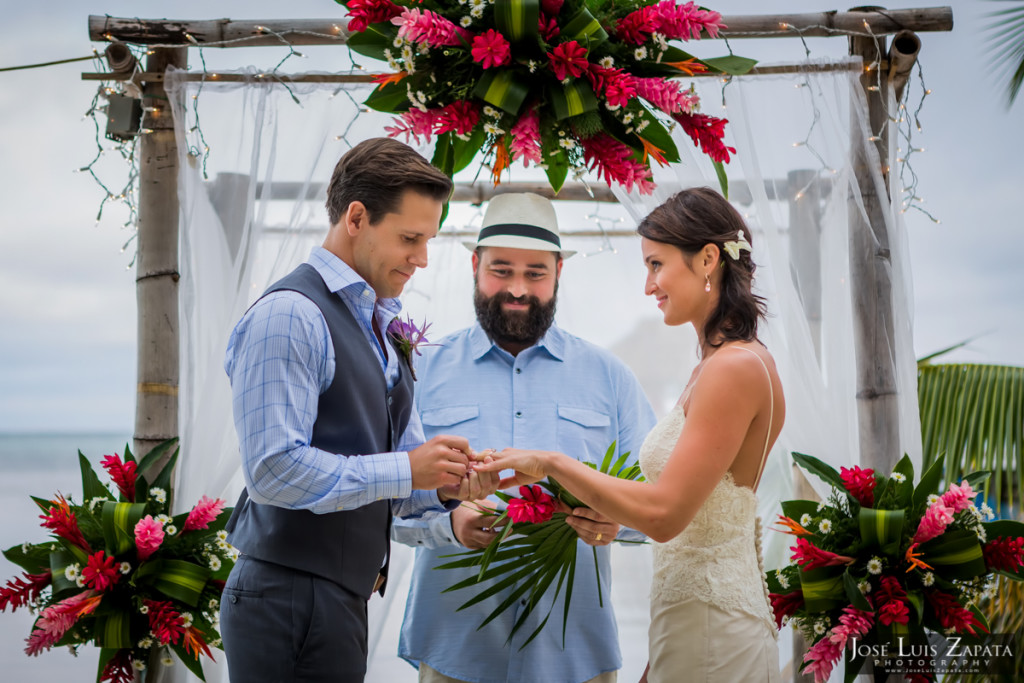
{"x":267,"y":32}
{"x":156,"y":408}
{"x":871,"y":270}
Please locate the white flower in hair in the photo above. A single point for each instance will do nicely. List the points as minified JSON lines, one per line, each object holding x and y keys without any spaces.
{"x":734,"y":247}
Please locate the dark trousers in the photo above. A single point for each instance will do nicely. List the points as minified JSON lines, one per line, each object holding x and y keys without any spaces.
{"x":280,"y":626}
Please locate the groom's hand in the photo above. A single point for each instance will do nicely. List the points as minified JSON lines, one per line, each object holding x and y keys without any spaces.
{"x":592,"y":527}
{"x":473,"y":528}
{"x":442,"y":461}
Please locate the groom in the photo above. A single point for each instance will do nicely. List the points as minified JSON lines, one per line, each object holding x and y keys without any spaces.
{"x":517,"y":379}
{"x":330,"y":446}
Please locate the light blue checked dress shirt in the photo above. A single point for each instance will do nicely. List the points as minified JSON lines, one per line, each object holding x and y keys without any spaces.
{"x":280,"y":358}
{"x":561,"y":394}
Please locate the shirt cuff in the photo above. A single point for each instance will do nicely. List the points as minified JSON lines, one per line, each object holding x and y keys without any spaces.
{"x":390,"y":476}
{"x":448,"y":505}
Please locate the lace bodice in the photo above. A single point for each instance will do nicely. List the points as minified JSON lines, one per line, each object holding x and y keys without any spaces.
{"x":717,"y":558}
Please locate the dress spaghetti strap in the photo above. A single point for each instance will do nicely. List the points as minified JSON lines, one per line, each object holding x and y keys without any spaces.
{"x":771,"y":415}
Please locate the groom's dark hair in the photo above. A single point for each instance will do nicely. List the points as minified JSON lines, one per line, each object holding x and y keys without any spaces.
{"x":377,"y":172}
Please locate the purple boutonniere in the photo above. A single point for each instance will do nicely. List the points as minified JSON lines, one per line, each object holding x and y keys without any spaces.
{"x":407,"y":339}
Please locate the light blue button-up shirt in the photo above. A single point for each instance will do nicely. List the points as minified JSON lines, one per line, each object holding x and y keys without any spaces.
{"x":280,"y":358}
{"x":562,"y":394}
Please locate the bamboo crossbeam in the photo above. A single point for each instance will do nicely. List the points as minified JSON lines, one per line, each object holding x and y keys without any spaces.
{"x":267,"y":32}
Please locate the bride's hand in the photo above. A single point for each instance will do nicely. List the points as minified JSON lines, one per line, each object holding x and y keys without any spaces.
{"x":529,"y":466}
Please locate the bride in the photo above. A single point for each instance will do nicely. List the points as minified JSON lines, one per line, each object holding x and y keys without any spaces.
{"x":710,"y":616}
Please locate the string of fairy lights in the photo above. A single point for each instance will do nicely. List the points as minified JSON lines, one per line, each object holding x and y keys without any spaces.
{"x":904,"y":122}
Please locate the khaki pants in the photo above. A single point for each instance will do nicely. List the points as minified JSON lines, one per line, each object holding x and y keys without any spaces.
{"x":429,"y":675}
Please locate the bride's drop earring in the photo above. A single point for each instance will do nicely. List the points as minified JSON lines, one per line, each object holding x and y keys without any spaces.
{"x":707,"y":283}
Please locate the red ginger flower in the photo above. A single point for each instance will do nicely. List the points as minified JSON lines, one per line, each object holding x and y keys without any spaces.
{"x":57,"y":619}
{"x":461,"y":118}
{"x":860,"y":483}
{"x":119,"y":669}
{"x":62,"y":521}
{"x":618,"y":86}
{"x":894,"y":612}
{"x":568,"y":59}
{"x":164,"y":621}
{"x":708,"y":132}
{"x":413,"y":124}
{"x":534,"y":505}
{"x":551,"y":7}
{"x":100,"y":571}
{"x":890,"y":602}
{"x":525,"y":143}
{"x":785,"y":605}
{"x":637,"y":26}
{"x":614,"y":161}
{"x":952,"y":614}
{"x":810,"y":556}
{"x":490,"y":49}
{"x":18,"y":592}
{"x":204,"y":512}
{"x":122,"y":474}
{"x":548,"y":27}
{"x":1004,"y":554}
{"x":362,"y":13}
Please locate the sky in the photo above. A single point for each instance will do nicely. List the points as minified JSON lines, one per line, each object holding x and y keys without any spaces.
{"x":67,"y":291}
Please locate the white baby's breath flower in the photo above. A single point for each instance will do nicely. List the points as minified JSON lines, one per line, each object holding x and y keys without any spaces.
{"x":167,"y":660}
{"x":466,"y":21}
{"x":640,"y":126}
{"x":783,"y":581}
{"x":398,"y":42}
{"x":932,"y":498}
{"x":819,"y":628}
{"x":223,"y":545}
{"x":214,"y":643}
{"x":980,"y":531}
{"x":80,"y":581}
{"x":491,"y":111}
{"x":640,"y":53}
{"x":25,"y":547}
{"x":158,"y":494}
{"x":146,"y":643}
{"x":899,"y":477}
{"x":825,"y":526}
{"x":532,"y":66}
{"x":566,"y":143}
{"x":864,"y":587}
{"x":71,"y":572}
{"x":97,"y":501}
{"x":628,"y":117}
{"x":875,"y":566}
{"x":222,"y":535}
{"x":138,"y":665}
{"x":606,"y":62}
{"x":186,"y":619}
{"x":214,"y":563}
{"x":234,"y":553}
{"x":987,"y":511}
{"x":477,"y":12}
{"x":163,"y":519}
{"x":805,"y":519}
{"x":949,"y":631}
{"x":144,"y":609}
{"x":125,"y":568}
{"x":928,"y":579}
{"x":213,"y":604}
{"x":821,"y":506}
{"x":170,"y":529}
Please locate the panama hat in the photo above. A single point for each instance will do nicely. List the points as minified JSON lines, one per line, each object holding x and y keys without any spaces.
{"x":520,"y":221}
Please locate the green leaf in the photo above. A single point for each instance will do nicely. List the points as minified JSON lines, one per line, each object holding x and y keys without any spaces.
{"x":163,"y":480}
{"x":91,"y":485}
{"x":371,"y":43}
{"x":929,"y":484}
{"x":795,"y":509}
{"x":517,"y":20}
{"x":444,"y":154}
{"x":177,"y":579}
{"x":35,"y":561}
{"x":191,"y":663}
{"x":883,"y":528}
{"x":465,"y":150}
{"x":853,"y":593}
{"x":976,"y":479}
{"x":955,"y":554}
{"x":390,"y":98}
{"x":818,"y":468}
{"x":733,"y":65}
{"x":918,"y":603}
{"x":853,"y":666}
{"x":119,"y":520}
{"x":113,"y":630}
{"x":557,"y":169}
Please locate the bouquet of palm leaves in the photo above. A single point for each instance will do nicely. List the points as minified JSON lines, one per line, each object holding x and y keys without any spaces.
{"x":536,"y":551}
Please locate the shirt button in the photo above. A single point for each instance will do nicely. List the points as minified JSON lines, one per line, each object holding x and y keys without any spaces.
{"x":519,"y":413}
{"x":519,"y":371}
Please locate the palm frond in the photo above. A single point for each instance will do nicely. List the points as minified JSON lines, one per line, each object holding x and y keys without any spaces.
{"x":1006,"y":46}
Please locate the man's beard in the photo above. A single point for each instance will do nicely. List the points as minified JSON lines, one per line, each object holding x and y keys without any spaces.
{"x":516,"y":327}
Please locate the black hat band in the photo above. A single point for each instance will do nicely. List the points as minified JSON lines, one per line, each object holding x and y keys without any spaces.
{"x":519,"y":230}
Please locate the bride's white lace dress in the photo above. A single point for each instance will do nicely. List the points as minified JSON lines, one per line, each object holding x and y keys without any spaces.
{"x":710,"y":615}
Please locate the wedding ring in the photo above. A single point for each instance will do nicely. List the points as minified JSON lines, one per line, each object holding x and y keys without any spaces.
{"x":598,"y":537}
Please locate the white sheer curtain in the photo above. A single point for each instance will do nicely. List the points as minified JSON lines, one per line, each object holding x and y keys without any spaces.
{"x":258,"y":210}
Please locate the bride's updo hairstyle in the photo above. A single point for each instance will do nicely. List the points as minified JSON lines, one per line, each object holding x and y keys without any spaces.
{"x":693,"y":218}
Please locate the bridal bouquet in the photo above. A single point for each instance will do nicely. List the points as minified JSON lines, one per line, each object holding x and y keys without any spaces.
{"x":120,"y":573}
{"x":883,"y":559}
{"x":563,"y":84}
{"x":534,"y":549}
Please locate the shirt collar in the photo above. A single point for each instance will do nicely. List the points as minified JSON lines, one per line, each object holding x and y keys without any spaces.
{"x":339,"y":277}
{"x":553,"y":342}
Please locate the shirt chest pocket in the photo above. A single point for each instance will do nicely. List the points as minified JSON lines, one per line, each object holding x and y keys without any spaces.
{"x":584,"y":433}
{"x":461,"y":421}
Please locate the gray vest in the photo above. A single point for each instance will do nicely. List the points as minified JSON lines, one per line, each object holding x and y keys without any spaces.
{"x":357,"y":415}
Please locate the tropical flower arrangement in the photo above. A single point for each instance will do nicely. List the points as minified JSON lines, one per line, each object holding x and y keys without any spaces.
{"x":884,"y":559}
{"x":564,"y":84}
{"x":120,"y":573}
{"x":534,"y":548}
{"x":408,"y":338}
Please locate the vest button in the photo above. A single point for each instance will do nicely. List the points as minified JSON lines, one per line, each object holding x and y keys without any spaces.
{"x":391,"y":399}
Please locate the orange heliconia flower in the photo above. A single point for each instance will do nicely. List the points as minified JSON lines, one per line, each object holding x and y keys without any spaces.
{"x":688,"y":66}
{"x":657,"y":154}
{"x":794,"y":527}
{"x":383,"y":79}
{"x":501,"y":161}
{"x":911,"y":558}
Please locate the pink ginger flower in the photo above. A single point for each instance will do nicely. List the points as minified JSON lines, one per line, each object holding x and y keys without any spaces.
{"x":685,"y":21}
{"x":101,"y":571}
{"x":934,"y":522}
{"x":821,"y":658}
{"x":149,"y":534}
{"x":668,"y":96}
{"x":525,"y":143}
{"x":809,"y":556}
{"x":853,"y":623}
{"x":122,"y":474}
{"x":490,"y":49}
{"x":637,"y":26}
{"x":62,"y":521}
{"x":614,"y":161}
{"x":428,"y":28}
{"x":204,"y":512}
{"x":415,"y":123}
{"x":55,"y":620}
{"x":568,"y":59}
{"x":459,"y":117}
{"x":708,"y":132}
{"x":959,"y":497}
{"x":362,"y":13}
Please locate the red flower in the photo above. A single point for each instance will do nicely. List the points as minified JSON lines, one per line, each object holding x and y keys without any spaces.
{"x":119,"y":668}
{"x":618,"y":87}
{"x":165,"y":623}
{"x":1004,"y":554}
{"x":194,"y":643}
{"x":122,"y":474}
{"x":460,"y":117}
{"x":568,"y":59}
{"x":890,"y":602}
{"x":706,"y":131}
{"x":100,"y":572}
{"x":551,"y":7}
{"x":62,"y":521}
{"x":18,"y":592}
{"x":785,"y":604}
{"x":204,"y":512}
{"x":362,"y":13}
{"x":614,"y":161}
{"x":952,"y":614}
{"x":55,"y":620}
{"x":548,"y":27}
{"x":491,"y":49}
{"x":860,"y":483}
{"x":534,"y":505}
{"x":810,"y":556}
{"x":637,"y":26}
{"x":894,"y":612}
